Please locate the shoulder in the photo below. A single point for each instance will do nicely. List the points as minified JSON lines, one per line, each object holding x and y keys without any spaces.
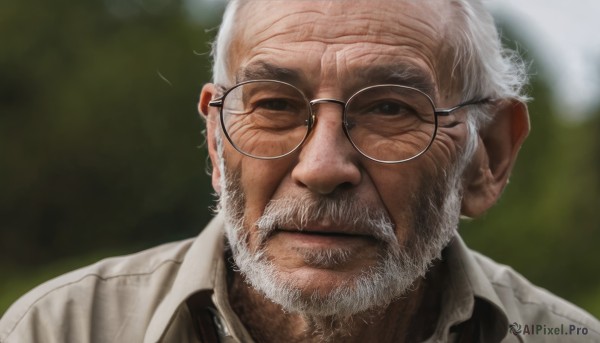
{"x":534,"y":308}
{"x":103,"y":297}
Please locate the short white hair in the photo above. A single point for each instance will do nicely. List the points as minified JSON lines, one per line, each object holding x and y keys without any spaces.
{"x":481,"y":65}
{"x":220,"y":46}
{"x":486,"y":69}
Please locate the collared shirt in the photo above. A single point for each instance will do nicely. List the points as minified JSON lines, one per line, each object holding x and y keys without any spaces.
{"x":145,"y":297}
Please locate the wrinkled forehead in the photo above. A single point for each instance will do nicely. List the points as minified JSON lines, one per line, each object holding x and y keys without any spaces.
{"x":374,"y":31}
{"x":333,"y":19}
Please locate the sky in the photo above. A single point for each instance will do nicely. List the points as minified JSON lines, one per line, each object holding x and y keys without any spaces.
{"x":564,"y":36}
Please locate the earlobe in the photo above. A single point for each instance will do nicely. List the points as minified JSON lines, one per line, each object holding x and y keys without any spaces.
{"x":212,"y":125}
{"x":490,"y":168}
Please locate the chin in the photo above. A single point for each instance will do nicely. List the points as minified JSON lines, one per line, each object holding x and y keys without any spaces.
{"x":315,"y":291}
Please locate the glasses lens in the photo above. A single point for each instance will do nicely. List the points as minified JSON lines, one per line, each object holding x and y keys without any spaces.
{"x":265,"y":119}
{"x":390,"y":123}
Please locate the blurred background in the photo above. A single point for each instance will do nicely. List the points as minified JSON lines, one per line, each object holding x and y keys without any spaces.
{"x":101,"y":151}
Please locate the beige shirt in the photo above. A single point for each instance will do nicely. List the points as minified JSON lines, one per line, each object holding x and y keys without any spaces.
{"x":142,"y":298}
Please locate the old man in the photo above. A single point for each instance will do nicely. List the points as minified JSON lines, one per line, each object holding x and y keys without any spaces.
{"x":346,"y":139}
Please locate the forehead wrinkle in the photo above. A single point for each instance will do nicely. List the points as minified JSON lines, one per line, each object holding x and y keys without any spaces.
{"x":401,"y":73}
{"x":412,"y":29}
{"x":263,"y":23}
{"x":385,"y":67}
{"x":329,"y":24}
{"x":344,"y":74}
{"x":295,"y":71}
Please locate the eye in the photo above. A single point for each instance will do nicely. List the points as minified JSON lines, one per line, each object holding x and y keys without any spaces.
{"x":274,"y":105}
{"x":390,"y":108}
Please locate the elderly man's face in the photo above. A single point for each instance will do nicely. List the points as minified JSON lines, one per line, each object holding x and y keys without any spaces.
{"x":331,"y":49}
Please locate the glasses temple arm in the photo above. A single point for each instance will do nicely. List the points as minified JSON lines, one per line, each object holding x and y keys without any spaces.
{"x":216,"y":103}
{"x":447,"y":111}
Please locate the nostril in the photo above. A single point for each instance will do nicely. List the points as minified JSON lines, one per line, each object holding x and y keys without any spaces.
{"x":345,"y":186}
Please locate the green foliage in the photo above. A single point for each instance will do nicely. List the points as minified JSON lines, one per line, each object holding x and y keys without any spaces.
{"x":100,"y":140}
{"x":101,"y":150}
{"x":545,"y":224}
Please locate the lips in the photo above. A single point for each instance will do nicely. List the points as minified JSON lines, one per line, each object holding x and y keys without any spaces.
{"x":324,"y":236}
{"x":325,"y":233}
{"x":327,"y":228}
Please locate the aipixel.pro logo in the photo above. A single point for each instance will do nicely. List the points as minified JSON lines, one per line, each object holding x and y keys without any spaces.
{"x":545,"y":330}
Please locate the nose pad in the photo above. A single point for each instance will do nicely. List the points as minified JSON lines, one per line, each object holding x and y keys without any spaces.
{"x":327,"y":160}
{"x":312,"y":118}
{"x":326,"y":100}
{"x":314,"y":109}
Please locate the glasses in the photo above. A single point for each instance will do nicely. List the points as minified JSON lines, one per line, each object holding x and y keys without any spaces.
{"x":270,"y":119}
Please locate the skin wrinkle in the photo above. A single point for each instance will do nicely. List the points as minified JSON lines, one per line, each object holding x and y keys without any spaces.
{"x":368,"y":181}
{"x":406,"y":73}
{"x":468,"y":34}
{"x":323,"y":42}
{"x":421,"y":58}
{"x":435,"y":200}
{"x":415,"y":46}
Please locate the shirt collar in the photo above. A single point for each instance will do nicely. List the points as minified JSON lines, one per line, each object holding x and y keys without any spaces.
{"x":467,"y":283}
{"x":197,"y":272}
{"x":465,"y":279}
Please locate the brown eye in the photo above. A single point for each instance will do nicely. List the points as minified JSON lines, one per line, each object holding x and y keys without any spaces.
{"x":389,"y":108}
{"x":275,"y":105}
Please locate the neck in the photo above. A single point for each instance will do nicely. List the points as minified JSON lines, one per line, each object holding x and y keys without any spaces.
{"x":410,"y":318}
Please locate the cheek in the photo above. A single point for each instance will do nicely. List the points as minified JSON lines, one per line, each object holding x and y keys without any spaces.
{"x":444,"y":153}
{"x":403,"y":188}
{"x":259,"y":180}
{"x":448,"y":142}
{"x":397,"y":186}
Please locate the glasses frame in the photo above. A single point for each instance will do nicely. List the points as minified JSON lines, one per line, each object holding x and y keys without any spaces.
{"x":312,"y":117}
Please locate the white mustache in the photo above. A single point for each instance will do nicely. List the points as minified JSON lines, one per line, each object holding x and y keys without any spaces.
{"x":350,"y":215}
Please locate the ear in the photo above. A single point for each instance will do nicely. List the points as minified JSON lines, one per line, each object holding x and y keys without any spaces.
{"x":211,"y":115}
{"x":492,"y":163}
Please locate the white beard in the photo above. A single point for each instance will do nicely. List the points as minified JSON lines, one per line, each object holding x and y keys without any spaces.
{"x":435,"y":214}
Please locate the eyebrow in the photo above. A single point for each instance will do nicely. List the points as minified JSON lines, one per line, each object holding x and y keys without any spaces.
{"x":401,"y":73}
{"x":267,"y":71}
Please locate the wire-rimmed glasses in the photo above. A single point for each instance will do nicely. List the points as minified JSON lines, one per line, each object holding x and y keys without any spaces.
{"x":388,"y":123}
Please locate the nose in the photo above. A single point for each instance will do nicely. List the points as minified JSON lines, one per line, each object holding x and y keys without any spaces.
{"x":327,"y":161}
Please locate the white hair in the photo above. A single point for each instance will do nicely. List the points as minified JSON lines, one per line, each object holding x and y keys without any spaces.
{"x":486,"y":69}
{"x":220,"y":45}
{"x":481,"y":65}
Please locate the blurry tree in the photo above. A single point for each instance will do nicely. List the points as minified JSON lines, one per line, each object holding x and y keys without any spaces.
{"x":545,"y":224}
{"x":99,"y":132}
{"x":100,"y":148}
